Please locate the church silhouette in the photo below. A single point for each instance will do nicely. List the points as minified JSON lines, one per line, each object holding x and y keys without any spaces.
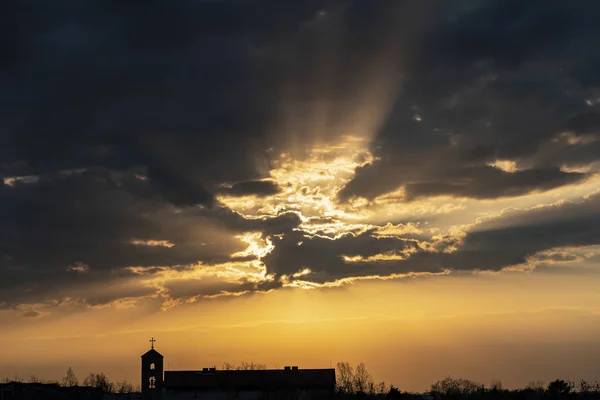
{"x":214,"y":384}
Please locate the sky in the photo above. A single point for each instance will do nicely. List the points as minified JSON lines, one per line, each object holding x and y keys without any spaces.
{"x":413,"y":185}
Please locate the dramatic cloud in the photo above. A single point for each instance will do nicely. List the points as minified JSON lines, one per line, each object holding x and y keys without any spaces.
{"x":85,"y":228}
{"x":495,"y":81}
{"x":203,"y":149}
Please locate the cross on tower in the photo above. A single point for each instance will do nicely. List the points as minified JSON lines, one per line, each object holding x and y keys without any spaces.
{"x":152,"y":341}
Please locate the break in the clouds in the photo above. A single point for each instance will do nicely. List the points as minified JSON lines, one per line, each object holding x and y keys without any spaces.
{"x":185,"y":150}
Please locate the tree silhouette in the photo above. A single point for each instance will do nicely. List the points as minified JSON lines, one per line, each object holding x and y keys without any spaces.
{"x":394,"y":393}
{"x":589,"y":389}
{"x":537,"y":386}
{"x":124,"y":387}
{"x":243,"y":366}
{"x":357,"y":380}
{"x":380,"y":388}
{"x":363,"y":382}
{"x":345,"y":379}
{"x":99,"y":381}
{"x":70,"y":379}
{"x":251,"y":366}
{"x":559,"y":387}
{"x":496,"y":386}
{"x":227,"y":366}
{"x":453,"y":387}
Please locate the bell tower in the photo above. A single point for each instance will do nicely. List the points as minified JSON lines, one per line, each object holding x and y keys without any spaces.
{"x":152,"y":373}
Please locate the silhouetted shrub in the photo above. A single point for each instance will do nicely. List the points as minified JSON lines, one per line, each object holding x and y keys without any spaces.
{"x":394,"y":393}
{"x":559,"y":388}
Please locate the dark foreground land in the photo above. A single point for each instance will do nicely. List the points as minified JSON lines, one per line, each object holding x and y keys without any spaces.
{"x":447,"y":389}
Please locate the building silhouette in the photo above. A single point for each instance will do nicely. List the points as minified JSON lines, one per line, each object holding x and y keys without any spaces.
{"x":152,"y":373}
{"x":214,"y":384}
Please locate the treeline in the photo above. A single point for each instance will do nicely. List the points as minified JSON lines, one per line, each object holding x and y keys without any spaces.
{"x":95,"y":380}
{"x":357,"y":382}
{"x":451,"y":388}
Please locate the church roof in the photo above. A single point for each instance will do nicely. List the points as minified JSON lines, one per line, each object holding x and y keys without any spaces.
{"x":152,"y":353}
{"x":251,"y":380}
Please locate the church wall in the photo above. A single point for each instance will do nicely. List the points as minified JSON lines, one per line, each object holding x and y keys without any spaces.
{"x":247,"y":395}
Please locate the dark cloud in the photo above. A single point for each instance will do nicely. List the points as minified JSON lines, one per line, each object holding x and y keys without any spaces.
{"x":295,"y":252}
{"x":103,"y":83}
{"x":31,"y":314}
{"x":178,"y":189}
{"x":193,"y":92}
{"x":495,"y":80}
{"x":557,"y":257}
{"x":486,"y":182}
{"x":494,"y":245}
{"x":64,"y":233}
{"x":91,"y":218}
{"x":510,"y":240}
{"x":282,"y":223}
{"x":259,"y":188}
{"x":463,"y":181}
